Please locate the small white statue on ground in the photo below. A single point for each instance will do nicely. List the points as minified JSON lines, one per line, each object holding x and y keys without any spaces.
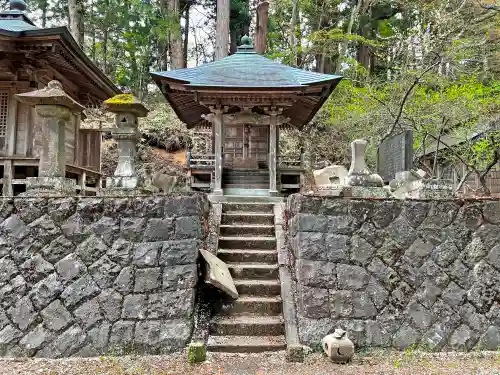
{"x":338,"y":347}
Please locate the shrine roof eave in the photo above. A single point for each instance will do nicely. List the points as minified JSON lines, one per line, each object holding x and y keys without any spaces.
{"x":189,"y":111}
{"x":67,"y":42}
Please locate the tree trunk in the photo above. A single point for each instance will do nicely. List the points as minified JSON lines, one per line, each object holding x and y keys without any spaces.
{"x":222,"y":29}
{"x":293,"y":34}
{"x":186,"y":35}
{"x":76,"y":11}
{"x":174,"y":35}
{"x":345,"y":42}
{"x":261,"y":32}
{"x":234,"y":42}
{"x":44,"y":5}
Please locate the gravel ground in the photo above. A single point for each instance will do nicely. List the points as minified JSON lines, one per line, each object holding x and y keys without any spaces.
{"x":379,"y":362}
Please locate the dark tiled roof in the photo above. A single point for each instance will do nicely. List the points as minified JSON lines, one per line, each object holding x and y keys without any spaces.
{"x":246,"y":69}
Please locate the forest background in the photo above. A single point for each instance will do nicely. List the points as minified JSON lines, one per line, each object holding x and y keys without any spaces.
{"x":432,"y":66}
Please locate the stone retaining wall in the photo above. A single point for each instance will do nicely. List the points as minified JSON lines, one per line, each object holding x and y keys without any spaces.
{"x":397,"y":273}
{"x":91,"y":276}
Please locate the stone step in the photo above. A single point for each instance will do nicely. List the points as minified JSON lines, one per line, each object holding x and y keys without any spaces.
{"x":245,"y":196}
{"x":238,"y":256}
{"x":248,"y":207}
{"x":247,"y":218}
{"x":258,"y":287}
{"x":247,"y":230}
{"x":254,"y":304}
{"x":246,"y":344}
{"x":245,"y":185}
{"x":261,"y":243}
{"x":249,"y":325}
{"x":253,"y":271}
{"x":245,"y":171}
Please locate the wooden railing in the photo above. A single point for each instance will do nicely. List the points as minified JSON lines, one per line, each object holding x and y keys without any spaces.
{"x":200,"y":160}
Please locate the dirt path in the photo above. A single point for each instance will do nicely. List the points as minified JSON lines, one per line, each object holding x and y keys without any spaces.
{"x":413,"y":363}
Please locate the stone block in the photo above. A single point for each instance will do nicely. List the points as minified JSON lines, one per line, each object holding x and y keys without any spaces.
{"x":494,"y":257}
{"x":99,"y":336}
{"x":361,"y":250}
{"x":171,"y":304}
{"x":74,"y":229}
{"x":351,"y":277}
{"x":70,"y":267}
{"x":377,"y":293}
{"x":46,"y":290}
{"x":402,"y":232}
{"x":36,"y":338}
{"x":490,"y":340}
{"x":147,"y":335}
{"x":132,"y":228}
{"x":9,"y":334}
{"x":91,"y":250}
{"x":313,"y":302}
{"x":88,"y":314}
{"x":174,"y":334}
{"x":111,"y":304}
{"x":176,"y":206}
{"x":463,"y":339}
{"x":454,"y":296}
{"x":80,"y":289}
{"x":56,"y":317}
{"x":188,"y":227}
{"x":420,"y":316}
{"x":445,"y":254}
{"x":197,"y":352}
{"x":23,"y":313}
{"x":147,"y":279}
{"x":217,"y":274}
{"x":179,"y":252}
{"x":7,"y":269}
{"x":372,"y":235}
{"x":385,"y":212}
{"x":385,"y":275}
{"x":311,"y":331}
{"x":405,"y":337}
{"x":146,"y":254}
{"x":125,"y":280}
{"x":135,"y":306}
{"x":121,"y":336}
{"x":316,"y":273}
{"x":104,"y":271}
{"x":309,"y":223}
{"x":159,"y":230}
{"x":67,"y":343}
{"x":58,"y":249}
{"x":419,"y":251}
{"x":107,"y":228}
{"x":179,"y":277}
{"x":61,"y":209}
{"x":120,"y":252}
{"x":491,"y":212}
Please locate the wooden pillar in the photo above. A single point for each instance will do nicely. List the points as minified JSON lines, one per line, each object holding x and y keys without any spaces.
{"x":245,"y":142}
{"x":218,"y":135}
{"x":272,"y":151}
{"x":10,"y":140}
{"x":82,"y":181}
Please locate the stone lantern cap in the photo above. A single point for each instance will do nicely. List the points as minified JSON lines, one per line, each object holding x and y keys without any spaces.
{"x":126,"y":103}
{"x":53,"y":94}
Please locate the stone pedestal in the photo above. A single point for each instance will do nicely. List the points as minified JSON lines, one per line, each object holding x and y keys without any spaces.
{"x":127,"y":110}
{"x":364,"y":184}
{"x":55,"y":108}
{"x":430,"y":189}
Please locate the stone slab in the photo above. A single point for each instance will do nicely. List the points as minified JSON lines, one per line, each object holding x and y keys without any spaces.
{"x":218,"y":274}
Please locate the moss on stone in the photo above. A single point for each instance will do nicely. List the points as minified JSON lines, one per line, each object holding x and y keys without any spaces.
{"x":197,"y":352}
{"x":121,"y":99}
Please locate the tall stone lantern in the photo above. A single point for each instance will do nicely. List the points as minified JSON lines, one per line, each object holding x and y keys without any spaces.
{"x":127,"y":110}
{"x":55,"y":108}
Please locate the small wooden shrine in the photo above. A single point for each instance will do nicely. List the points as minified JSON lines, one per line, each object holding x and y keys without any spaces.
{"x":30,"y":57}
{"x":245,"y":99}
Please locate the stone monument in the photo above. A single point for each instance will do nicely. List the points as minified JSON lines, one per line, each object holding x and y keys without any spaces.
{"x":363,"y":183}
{"x":55,"y":109}
{"x":127,"y":110}
{"x":395,"y":154}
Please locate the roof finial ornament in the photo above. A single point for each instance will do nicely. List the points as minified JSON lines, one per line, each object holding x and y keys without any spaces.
{"x":246,"y":44}
{"x":17,"y":5}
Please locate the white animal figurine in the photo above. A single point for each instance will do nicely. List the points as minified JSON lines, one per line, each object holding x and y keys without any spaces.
{"x":338,"y":347}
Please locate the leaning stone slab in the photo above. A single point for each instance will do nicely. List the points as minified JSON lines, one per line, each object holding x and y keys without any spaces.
{"x":218,"y":274}
{"x":333,"y":174}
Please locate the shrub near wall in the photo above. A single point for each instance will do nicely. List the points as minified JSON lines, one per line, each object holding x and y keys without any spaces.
{"x":91,"y":276}
{"x":397,"y":273}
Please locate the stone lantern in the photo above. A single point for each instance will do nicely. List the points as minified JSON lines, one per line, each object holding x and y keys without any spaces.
{"x":127,"y":110}
{"x":55,"y":109}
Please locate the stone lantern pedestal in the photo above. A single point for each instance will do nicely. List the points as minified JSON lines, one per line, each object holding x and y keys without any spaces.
{"x":127,"y":110}
{"x":55,"y":109}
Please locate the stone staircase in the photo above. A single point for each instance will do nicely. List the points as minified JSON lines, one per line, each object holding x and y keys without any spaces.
{"x":247,"y":243}
{"x":245,"y":178}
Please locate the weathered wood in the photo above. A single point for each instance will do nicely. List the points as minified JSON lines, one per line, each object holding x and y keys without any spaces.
{"x":82,"y":181}
{"x":272,"y":151}
{"x":218,"y":125}
{"x":10,"y":136}
{"x":7,"y":178}
{"x":262,"y":20}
